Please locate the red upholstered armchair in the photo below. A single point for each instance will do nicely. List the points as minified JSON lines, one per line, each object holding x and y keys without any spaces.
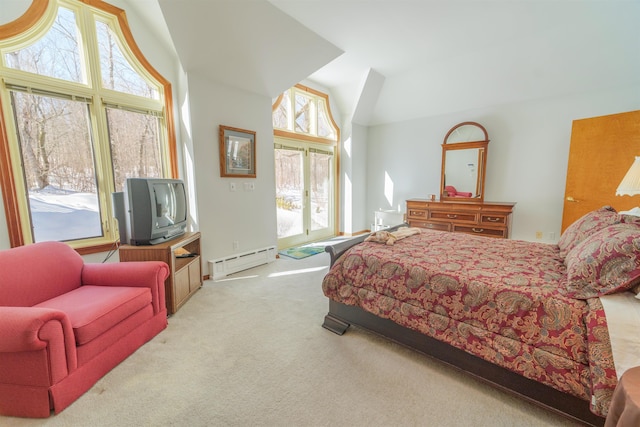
{"x":64,"y":324}
{"x":452,"y":192}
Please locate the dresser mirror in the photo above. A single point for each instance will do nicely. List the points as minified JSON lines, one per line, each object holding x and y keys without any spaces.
{"x":464,"y":160}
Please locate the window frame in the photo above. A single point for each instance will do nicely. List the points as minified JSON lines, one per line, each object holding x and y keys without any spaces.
{"x":36,"y":19}
{"x":290,"y":132}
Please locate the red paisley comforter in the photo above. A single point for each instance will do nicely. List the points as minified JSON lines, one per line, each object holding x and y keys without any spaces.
{"x":497,"y":299}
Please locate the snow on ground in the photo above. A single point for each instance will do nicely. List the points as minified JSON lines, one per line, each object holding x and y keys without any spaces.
{"x":59,"y":215}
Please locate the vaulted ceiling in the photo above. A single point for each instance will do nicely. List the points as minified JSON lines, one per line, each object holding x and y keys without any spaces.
{"x":392,"y":60}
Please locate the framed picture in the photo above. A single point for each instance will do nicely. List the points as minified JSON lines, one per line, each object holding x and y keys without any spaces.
{"x":237,"y":152}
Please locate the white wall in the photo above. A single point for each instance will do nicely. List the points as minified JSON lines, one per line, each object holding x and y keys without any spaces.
{"x":527,"y":156}
{"x":359,"y":219}
{"x":246,"y":217}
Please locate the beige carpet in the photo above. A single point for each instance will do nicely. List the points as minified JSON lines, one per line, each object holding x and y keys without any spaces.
{"x":250,"y":351}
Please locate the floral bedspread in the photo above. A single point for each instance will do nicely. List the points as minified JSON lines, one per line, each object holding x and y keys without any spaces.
{"x":497,"y":299}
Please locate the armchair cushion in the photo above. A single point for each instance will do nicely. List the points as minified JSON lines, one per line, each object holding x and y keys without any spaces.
{"x":92,"y":310}
{"x":147,"y":274}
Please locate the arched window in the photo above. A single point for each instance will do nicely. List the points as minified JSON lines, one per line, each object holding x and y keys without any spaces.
{"x":306,"y":165}
{"x":81,"y":110}
{"x":304,"y":112}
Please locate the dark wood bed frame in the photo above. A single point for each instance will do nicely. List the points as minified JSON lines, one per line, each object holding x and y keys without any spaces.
{"x":341,"y":316}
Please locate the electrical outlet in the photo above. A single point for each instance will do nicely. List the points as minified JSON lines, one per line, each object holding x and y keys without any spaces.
{"x":539,"y":235}
{"x":236,"y":245}
{"x":552,"y":235}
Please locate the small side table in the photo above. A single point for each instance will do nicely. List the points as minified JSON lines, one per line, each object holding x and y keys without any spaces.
{"x":625,"y":403}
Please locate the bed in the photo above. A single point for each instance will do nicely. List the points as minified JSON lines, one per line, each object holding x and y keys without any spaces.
{"x":526,"y":317}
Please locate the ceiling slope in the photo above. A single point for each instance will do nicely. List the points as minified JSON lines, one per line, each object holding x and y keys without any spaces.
{"x":444,"y":56}
{"x":428,"y":57}
{"x":247,"y":44}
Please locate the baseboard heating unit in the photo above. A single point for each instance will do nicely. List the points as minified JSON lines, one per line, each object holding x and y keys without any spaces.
{"x":222,"y":267}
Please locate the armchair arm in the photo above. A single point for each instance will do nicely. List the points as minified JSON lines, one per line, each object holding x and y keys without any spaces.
{"x":150,"y":274}
{"x":24,"y":329}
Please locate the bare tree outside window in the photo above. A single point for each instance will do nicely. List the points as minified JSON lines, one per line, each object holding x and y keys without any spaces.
{"x":59,"y":170}
{"x":57,"y":54}
{"x":117,"y":73}
{"x":281,"y":114}
{"x":134,"y":140}
{"x":302,"y":113}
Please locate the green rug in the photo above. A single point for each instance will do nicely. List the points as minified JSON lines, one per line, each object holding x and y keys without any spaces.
{"x":301,"y":251}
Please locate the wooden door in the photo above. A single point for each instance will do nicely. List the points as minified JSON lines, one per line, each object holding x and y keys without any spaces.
{"x":602,"y":151}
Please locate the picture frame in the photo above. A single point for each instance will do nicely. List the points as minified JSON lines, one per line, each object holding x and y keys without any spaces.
{"x":237,"y":152}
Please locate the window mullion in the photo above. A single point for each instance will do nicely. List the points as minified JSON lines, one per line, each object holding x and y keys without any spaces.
{"x":97,"y":114}
{"x":90,"y":52}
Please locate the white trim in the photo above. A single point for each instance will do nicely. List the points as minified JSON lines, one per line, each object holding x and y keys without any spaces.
{"x":222,"y":267}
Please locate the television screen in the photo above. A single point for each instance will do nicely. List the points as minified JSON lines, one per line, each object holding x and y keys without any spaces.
{"x":168,"y":212}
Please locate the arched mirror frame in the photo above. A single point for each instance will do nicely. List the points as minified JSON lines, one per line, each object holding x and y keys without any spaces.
{"x":455,"y":140}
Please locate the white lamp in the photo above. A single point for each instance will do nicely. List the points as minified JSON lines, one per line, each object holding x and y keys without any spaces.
{"x":630,"y":185}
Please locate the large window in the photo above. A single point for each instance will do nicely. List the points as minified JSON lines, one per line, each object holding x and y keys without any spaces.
{"x":81,"y":111}
{"x":305,"y":166}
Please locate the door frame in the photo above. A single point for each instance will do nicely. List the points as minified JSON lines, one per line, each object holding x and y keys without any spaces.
{"x":309,"y":236}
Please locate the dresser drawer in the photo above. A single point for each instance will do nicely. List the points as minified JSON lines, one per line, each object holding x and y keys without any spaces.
{"x":417,"y":213}
{"x":493,"y":219}
{"x":454,"y":216}
{"x":441,"y":226}
{"x":481,"y":231}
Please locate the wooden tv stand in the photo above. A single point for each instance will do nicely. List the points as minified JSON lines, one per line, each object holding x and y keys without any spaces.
{"x":185,"y":273}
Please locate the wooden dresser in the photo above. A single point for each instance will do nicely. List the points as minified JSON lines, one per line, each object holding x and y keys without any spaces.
{"x":482,"y":218}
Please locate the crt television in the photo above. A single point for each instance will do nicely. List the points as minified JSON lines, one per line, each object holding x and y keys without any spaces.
{"x":151,"y":210}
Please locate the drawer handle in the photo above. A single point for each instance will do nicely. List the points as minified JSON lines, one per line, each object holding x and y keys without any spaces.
{"x":492,"y":219}
{"x":452,"y":216}
{"x":477,"y":230}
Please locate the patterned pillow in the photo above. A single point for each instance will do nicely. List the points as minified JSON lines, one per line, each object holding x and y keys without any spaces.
{"x":630,"y":219}
{"x":606,"y":262}
{"x":585,"y":226}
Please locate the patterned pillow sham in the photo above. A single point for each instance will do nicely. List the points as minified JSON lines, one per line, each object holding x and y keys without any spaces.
{"x":606,"y":262}
{"x":629,"y":219}
{"x":585,"y":226}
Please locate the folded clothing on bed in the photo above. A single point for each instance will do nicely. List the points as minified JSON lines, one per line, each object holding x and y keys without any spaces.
{"x":390,"y":237}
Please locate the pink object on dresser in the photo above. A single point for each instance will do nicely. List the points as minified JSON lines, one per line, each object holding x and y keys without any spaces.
{"x":64,"y":324}
{"x":452,"y":192}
